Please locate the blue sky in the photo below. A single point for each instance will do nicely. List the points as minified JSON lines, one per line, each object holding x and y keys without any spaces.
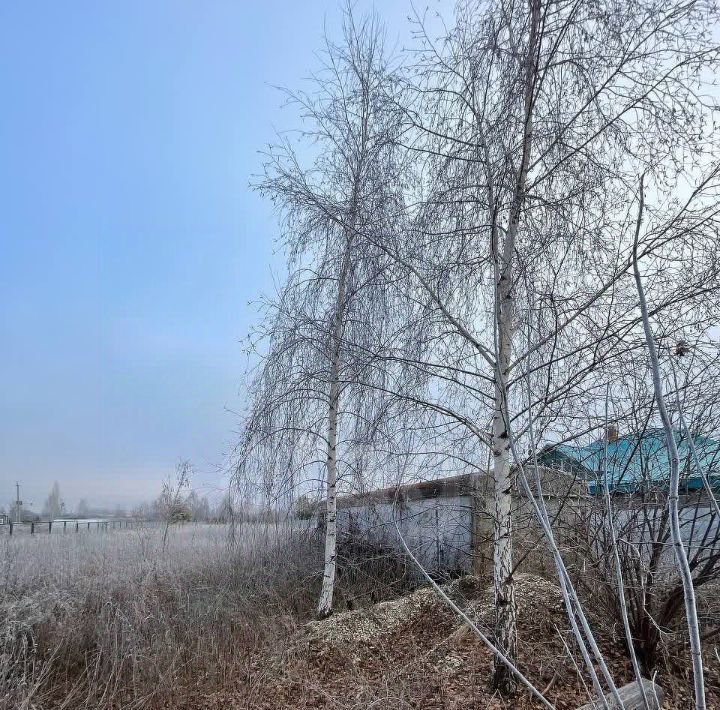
{"x":130,"y":244}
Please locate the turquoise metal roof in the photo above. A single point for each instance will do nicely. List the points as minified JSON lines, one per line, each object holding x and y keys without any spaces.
{"x":637,"y":461}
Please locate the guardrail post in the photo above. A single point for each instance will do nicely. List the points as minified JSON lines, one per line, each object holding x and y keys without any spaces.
{"x":64,"y":525}
{"x":32,"y":528}
{"x":77,"y":526}
{"x":49,"y":527}
{"x":11,"y":527}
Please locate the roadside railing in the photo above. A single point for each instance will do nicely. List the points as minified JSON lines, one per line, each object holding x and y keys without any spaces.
{"x":48,"y":527}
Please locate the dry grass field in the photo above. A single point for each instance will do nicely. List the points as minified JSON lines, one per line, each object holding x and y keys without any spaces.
{"x":114,"y":620}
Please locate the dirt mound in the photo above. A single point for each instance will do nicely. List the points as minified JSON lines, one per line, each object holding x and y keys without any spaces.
{"x":363,"y":627}
{"x":540,"y":609}
{"x":539,"y":604}
{"x":414,"y":652}
{"x":434,"y":654}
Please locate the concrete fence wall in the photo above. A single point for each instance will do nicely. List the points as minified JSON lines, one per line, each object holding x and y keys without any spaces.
{"x":437,"y":530}
{"x":446,"y":523}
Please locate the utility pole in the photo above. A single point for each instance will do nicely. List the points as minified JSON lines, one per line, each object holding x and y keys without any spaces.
{"x":18,"y":502}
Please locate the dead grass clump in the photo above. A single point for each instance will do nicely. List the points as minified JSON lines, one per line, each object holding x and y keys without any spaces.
{"x":113,"y":620}
{"x":120,"y":620}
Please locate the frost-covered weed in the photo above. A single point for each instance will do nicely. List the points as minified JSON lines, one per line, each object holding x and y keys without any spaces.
{"x":110,"y":619}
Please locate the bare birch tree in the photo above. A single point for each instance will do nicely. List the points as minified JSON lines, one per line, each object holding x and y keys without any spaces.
{"x":503,"y":205}
{"x":335,"y":291}
{"x":532,"y":120}
{"x":171,"y":504}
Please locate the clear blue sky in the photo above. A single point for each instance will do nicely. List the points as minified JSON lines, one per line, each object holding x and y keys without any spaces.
{"x":130,"y":244}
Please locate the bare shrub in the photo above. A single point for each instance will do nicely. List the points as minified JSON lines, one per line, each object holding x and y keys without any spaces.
{"x":370,"y":572}
{"x":653,"y":589}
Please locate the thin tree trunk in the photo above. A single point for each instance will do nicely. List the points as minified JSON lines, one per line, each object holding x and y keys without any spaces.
{"x":325,"y":603}
{"x":505,"y":608}
{"x":618,"y":566}
{"x":504,"y":585}
{"x":678,"y":546}
{"x":328,"y":584}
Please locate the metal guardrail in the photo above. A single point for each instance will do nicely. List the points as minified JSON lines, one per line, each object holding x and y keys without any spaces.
{"x":65,"y":526}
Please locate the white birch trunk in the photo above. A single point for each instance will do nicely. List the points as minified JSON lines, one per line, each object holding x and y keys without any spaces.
{"x":673,"y":508}
{"x":328,"y":584}
{"x":505,"y":608}
{"x":325,"y":604}
{"x":504,"y":586}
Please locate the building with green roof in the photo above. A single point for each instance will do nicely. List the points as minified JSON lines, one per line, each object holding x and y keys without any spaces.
{"x":636,"y":462}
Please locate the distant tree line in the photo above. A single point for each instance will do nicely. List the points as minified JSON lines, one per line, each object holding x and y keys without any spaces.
{"x":189,"y":505}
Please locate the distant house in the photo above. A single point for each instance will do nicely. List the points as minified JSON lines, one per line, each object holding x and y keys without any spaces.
{"x":25,"y":516}
{"x":636,"y":462}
